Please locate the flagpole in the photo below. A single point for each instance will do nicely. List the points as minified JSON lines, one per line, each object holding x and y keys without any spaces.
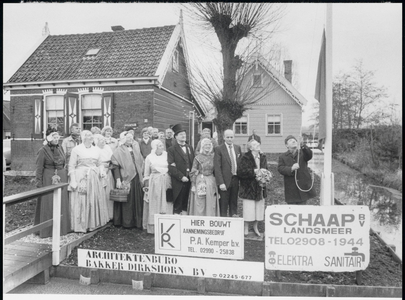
{"x":327,"y":184}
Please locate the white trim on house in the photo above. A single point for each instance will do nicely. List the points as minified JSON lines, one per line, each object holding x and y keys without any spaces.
{"x":281,"y":81}
{"x":79,"y":83}
{"x":114,"y":91}
{"x":177,"y":95}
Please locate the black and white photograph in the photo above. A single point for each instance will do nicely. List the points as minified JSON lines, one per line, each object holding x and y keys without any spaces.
{"x":211,"y":149}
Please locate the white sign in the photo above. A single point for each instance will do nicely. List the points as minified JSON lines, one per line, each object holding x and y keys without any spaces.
{"x":199,"y":236}
{"x":172,"y":265}
{"x":317,"y":238}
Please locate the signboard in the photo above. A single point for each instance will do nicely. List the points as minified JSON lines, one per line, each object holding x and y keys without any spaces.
{"x":317,"y":238}
{"x":172,"y":265}
{"x":199,"y":236}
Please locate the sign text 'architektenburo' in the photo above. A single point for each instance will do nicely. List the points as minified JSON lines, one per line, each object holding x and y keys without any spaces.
{"x":171,"y":265}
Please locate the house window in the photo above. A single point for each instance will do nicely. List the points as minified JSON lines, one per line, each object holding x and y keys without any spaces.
{"x":176,"y":61}
{"x":240,"y":125}
{"x":91,"y":111}
{"x":273,"y":124}
{"x":54,"y":113}
{"x":257,"y":80}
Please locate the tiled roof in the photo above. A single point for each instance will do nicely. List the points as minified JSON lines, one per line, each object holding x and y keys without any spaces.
{"x":123,"y":54}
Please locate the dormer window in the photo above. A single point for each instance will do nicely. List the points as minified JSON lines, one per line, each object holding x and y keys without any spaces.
{"x":257,"y":80}
{"x":175,"y":62}
{"x":92,"y":52}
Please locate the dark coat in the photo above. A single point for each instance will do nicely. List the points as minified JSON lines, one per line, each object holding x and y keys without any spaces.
{"x":291,"y":192}
{"x":249,"y":188}
{"x":223,"y":165}
{"x":178,"y":166}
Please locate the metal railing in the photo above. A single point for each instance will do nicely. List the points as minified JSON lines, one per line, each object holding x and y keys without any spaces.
{"x":55,"y":221}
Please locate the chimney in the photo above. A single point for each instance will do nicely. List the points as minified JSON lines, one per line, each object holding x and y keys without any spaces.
{"x":288,"y":70}
{"x":117,"y":28}
{"x":45,"y":30}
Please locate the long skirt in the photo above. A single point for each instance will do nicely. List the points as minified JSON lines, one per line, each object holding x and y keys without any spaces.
{"x":129,"y":214}
{"x":253,"y":210}
{"x":207,"y":205}
{"x":44,"y":208}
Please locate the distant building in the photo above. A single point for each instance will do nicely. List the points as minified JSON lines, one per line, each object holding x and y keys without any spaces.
{"x":279,"y":111}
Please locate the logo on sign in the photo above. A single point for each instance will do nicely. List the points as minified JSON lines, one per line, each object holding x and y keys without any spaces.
{"x":169,"y":233}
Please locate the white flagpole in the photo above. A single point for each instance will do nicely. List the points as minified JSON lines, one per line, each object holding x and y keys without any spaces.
{"x":327,"y":183}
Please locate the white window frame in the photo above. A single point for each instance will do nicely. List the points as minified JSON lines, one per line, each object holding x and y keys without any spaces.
{"x":281,"y":124}
{"x":247,"y":126}
{"x":81,"y":109}
{"x":46,"y":94}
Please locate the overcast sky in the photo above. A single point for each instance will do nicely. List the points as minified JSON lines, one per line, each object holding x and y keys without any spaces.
{"x":371,"y":32}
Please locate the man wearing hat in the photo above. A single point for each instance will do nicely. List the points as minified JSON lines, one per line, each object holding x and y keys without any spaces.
{"x":180,"y":158}
{"x":298,"y":188}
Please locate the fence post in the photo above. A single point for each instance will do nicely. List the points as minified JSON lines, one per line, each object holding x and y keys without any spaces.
{"x":57,"y":196}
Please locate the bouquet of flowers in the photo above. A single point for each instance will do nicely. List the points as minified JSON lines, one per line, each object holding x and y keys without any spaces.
{"x":263,"y":176}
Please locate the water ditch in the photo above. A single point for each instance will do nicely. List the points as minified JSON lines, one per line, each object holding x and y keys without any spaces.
{"x":354,"y":188}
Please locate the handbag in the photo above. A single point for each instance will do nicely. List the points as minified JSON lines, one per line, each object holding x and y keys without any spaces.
{"x":120,"y":195}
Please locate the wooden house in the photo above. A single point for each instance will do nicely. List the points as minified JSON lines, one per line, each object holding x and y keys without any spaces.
{"x":277,"y":114}
{"x":122,"y":78}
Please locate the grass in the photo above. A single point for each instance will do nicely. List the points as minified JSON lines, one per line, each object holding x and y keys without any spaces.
{"x":20,"y":214}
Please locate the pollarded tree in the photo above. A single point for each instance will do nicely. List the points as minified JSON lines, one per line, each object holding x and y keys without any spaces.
{"x":232,"y":22}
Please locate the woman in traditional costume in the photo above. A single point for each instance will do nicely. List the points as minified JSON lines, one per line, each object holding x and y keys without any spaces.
{"x":127,"y":162}
{"x":108,"y":181}
{"x":88,"y":203}
{"x":157,"y":185}
{"x":204,"y":197}
{"x":51,"y":169}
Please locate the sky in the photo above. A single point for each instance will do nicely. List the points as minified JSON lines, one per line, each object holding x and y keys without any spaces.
{"x":371,"y":32}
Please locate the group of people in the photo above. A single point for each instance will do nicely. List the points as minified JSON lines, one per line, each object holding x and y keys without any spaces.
{"x":161,"y":174}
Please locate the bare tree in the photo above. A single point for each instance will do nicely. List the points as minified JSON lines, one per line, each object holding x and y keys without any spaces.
{"x":231,"y":22}
{"x":368,"y":94}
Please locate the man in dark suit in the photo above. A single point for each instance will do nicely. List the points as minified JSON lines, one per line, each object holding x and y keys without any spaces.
{"x":300,"y":190}
{"x":226,"y":164}
{"x":254,"y":136}
{"x":180,"y":158}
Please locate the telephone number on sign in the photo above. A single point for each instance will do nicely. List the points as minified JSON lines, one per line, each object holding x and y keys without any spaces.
{"x":231,"y":276}
{"x":314,"y":241}
{"x":221,"y":251}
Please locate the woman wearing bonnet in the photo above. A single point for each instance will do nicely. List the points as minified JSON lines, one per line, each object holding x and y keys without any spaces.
{"x":204,"y":200}
{"x":127,"y":162}
{"x":157,"y":183}
{"x":50,"y":170}
{"x":88,"y":205}
{"x":108,"y":180}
